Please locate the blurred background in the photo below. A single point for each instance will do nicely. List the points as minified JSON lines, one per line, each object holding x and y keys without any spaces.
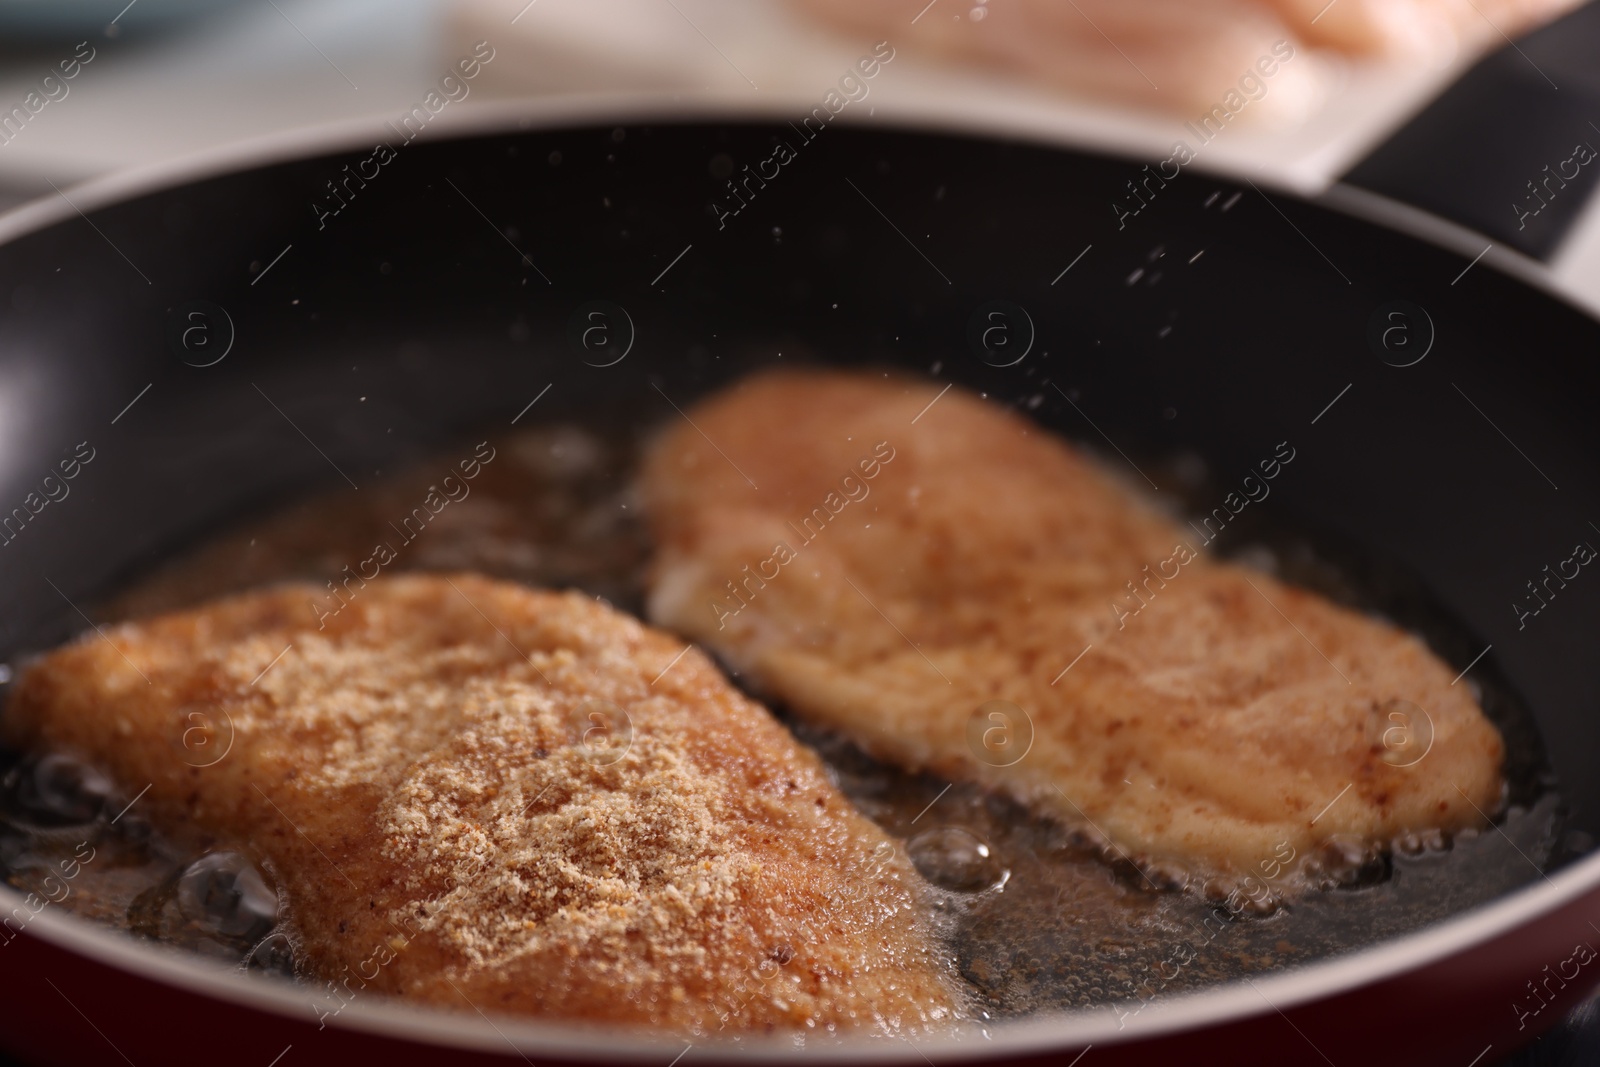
{"x":164,"y":79}
{"x":1291,"y":93}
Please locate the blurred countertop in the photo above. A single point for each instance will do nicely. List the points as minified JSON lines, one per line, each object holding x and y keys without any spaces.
{"x":270,"y":65}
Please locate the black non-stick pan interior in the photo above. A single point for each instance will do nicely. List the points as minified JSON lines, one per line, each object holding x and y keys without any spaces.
{"x":318,"y":323}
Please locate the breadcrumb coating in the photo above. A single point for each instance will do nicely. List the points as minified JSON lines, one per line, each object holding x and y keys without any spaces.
{"x":1210,"y":715}
{"x":476,"y":794}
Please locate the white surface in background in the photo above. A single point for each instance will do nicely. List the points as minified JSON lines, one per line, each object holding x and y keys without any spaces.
{"x":563,"y":45}
{"x":249,"y":72}
{"x":239,"y":73}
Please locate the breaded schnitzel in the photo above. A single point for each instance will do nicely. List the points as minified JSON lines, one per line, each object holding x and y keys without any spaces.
{"x":476,"y":793}
{"x":921,"y":578}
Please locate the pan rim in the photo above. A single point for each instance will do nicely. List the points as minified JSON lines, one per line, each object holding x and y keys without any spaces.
{"x":933,"y":114}
{"x":1229,"y":1002}
{"x":1225,"y":1003}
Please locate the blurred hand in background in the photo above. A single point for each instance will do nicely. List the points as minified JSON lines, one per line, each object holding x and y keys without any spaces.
{"x":174,"y":77}
{"x":1182,"y":54}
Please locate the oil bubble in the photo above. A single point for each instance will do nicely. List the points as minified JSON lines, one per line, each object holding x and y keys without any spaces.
{"x":58,"y":790}
{"x":955,"y":859}
{"x":224,"y":893}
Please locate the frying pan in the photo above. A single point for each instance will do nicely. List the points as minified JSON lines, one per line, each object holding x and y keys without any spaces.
{"x":221,"y":337}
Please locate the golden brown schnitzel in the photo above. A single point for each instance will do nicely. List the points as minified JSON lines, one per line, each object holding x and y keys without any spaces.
{"x":929,"y":581}
{"x":477,"y":794}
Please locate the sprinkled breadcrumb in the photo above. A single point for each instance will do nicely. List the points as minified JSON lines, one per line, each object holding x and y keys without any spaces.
{"x":473,"y":792}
